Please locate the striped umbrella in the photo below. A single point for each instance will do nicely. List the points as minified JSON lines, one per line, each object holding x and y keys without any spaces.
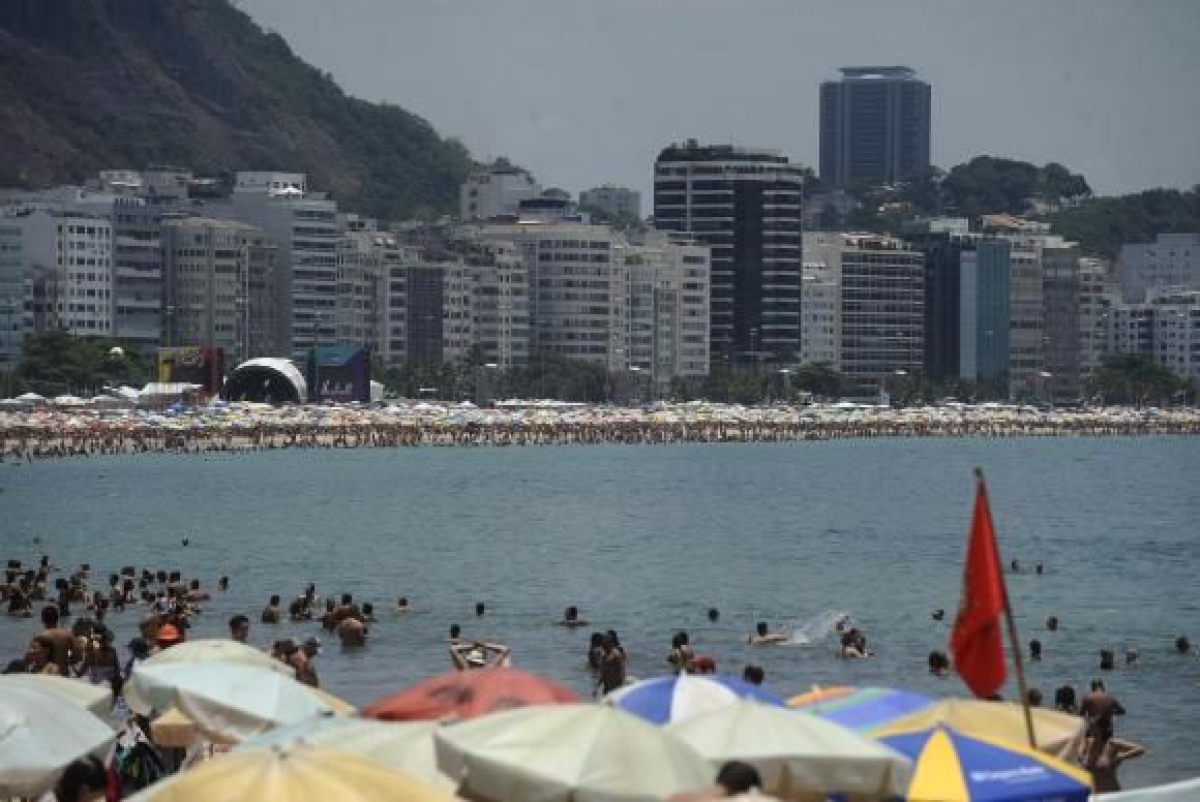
{"x":665,"y":700}
{"x":949,"y":766}
{"x":860,"y":709}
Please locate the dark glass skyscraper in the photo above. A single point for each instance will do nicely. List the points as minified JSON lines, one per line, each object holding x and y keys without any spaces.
{"x":745,"y":204}
{"x":874,"y":126}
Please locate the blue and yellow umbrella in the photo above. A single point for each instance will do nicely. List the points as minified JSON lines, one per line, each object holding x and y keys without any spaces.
{"x":949,"y":766}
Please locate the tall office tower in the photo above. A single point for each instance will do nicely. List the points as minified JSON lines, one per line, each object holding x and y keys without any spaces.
{"x":967,"y":282}
{"x":874,"y":126}
{"x":746,"y":205}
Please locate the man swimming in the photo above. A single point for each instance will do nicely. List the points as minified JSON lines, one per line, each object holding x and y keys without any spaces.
{"x":764,"y":637}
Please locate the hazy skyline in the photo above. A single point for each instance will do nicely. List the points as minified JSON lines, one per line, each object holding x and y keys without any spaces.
{"x":588,"y":93}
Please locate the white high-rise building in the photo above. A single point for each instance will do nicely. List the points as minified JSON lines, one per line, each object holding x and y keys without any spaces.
{"x":1170,"y":263}
{"x":68,"y":271}
{"x":577,"y":288}
{"x":304,"y":226}
{"x":820,"y":316}
{"x":500,"y":289}
{"x":668,"y":304}
{"x":881,"y":304}
{"x":219,"y":277}
{"x":495,"y":191}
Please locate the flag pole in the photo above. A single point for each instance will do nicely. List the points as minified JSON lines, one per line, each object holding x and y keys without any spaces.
{"x":1018,"y":663}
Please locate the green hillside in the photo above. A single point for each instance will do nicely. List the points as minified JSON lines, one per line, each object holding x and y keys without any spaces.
{"x":93,"y":84}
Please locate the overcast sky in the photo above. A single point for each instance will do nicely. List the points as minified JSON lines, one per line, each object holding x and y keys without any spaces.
{"x":584,"y":93}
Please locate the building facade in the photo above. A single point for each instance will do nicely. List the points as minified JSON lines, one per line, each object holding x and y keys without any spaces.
{"x":495,"y":191}
{"x":983,"y":338}
{"x":218,"y":282}
{"x":1026,"y":326}
{"x":821,"y":315}
{"x":12,"y":295}
{"x":667,"y":312}
{"x":68,"y":271}
{"x":875,"y":125}
{"x":746,"y":205}
{"x":1061,"y":297}
{"x":304,"y":227}
{"x":1170,"y":263}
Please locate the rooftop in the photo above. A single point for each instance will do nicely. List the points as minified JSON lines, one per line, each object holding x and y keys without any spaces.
{"x":904,"y":73}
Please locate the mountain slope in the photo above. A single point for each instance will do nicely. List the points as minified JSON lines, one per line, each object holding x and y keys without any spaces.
{"x":93,"y":84}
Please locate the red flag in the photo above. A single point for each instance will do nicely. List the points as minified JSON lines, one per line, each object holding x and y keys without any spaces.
{"x":976,"y":642}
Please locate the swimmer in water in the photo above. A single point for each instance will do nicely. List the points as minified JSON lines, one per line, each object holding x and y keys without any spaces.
{"x":854,"y":645}
{"x":764,"y":637}
{"x":402,"y":604}
{"x":571,"y":618}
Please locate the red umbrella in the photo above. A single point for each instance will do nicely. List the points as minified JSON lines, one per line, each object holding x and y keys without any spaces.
{"x":468,"y":694}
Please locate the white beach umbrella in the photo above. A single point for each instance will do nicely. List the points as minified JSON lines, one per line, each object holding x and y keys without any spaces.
{"x":568,"y":753}
{"x":96,"y":699}
{"x":799,"y":756}
{"x":40,"y":735}
{"x":228,"y":701}
{"x":204,"y":651}
{"x":406,"y":746}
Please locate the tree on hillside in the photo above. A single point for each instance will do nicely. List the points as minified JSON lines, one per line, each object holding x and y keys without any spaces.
{"x":1103,"y":225}
{"x":988,"y":184}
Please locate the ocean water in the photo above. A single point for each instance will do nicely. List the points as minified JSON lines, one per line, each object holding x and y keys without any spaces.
{"x":645,"y":539}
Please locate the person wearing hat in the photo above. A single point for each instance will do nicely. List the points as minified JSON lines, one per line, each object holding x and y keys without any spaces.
{"x":168,"y":636}
{"x":302,"y":661}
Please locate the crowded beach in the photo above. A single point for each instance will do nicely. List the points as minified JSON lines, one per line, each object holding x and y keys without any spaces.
{"x":166,"y":715}
{"x":33,"y":429}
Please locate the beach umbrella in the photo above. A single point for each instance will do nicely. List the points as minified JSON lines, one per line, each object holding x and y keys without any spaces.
{"x":568,"y":753}
{"x":291,"y":774}
{"x":228,"y":702}
{"x":467,"y":694}
{"x":96,"y":699}
{"x":41,"y":734}
{"x":204,"y":651}
{"x":950,"y":766}
{"x":405,"y":746}
{"x":798,"y":756}
{"x":666,"y":699}
{"x":1058,"y":734}
{"x":860,"y":709}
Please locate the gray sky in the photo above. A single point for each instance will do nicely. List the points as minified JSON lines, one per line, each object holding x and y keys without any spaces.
{"x":584,"y":93}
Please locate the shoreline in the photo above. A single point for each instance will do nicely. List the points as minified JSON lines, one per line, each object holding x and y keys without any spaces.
{"x":245,"y":428}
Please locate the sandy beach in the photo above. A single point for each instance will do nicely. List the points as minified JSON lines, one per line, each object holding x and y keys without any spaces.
{"x":84,"y":431}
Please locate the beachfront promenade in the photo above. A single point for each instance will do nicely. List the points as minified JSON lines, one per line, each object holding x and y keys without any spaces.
{"x":51,"y":432}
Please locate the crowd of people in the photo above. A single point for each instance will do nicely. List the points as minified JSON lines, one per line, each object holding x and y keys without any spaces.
{"x":76,"y":640}
{"x":84,"y":434}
